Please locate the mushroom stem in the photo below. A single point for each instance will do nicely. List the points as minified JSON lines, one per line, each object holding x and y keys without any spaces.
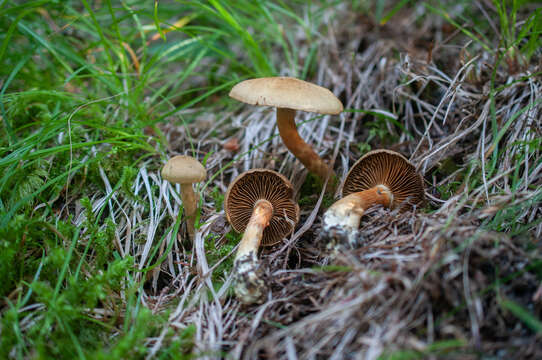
{"x":190,"y":204}
{"x":249,"y":287}
{"x":346,"y":213}
{"x":298,"y":147}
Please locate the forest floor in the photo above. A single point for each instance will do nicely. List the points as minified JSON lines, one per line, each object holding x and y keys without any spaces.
{"x":95,"y":259}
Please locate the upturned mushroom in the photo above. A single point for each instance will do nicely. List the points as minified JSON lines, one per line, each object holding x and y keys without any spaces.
{"x":185,"y":170}
{"x":260,"y":204}
{"x":379,"y":177}
{"x":288,"y":95}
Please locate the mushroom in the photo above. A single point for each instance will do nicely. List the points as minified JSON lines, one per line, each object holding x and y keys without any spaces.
{"x":288,"y":95}
{"x":379,"y":177}
{"x":259,"y":203}
{"x":185,"y":170}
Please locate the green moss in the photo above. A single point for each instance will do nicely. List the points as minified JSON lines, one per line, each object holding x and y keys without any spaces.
{"x":311,"y":189}
{"x":215,"y":253}
{"x":448,"y":166}
{"x":218,"y":198}
{"x":178,"y":346}
{"x":131,"y":343}
{"x":364,"y":147}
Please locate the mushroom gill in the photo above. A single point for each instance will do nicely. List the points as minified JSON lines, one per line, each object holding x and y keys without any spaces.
{"x":379,"y":177}
{"x":260,"y":204}
{"x":259,"y":184}
{"x":388,"y":168}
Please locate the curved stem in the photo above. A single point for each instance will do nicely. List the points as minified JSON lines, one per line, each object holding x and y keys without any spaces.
{"x":190,"y":205}
{"x":298,"y":147}
{"x":346,"y":213}
{"x":249,"y":287}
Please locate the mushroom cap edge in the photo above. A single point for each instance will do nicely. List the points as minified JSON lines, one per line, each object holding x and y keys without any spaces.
{"x":183,"y":169}
{"x":398,"y":174}
{"x":287,"y":92}
{"x":240,"y":220}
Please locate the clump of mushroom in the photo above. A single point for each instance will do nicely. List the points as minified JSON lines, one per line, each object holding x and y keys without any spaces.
{"x":288,"y":95}
{"x":260,"y":204}
{"x":185,"y":170}
{"x":381,"y":177}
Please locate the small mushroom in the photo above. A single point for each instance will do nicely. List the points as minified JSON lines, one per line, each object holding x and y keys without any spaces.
{"x":185,"y":170}
{"x":259,"y":203}
{"x":288,"y":95}
{"x":379,"y":177}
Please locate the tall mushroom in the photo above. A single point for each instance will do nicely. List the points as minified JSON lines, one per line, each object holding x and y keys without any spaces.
{"x":288,"y":95}
{"x":379,"y":177}
{"x":259,"y":203}
{"x":185,"y":170}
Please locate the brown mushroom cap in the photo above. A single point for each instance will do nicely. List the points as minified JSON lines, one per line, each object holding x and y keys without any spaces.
{"x":386,"y":167}
{"x":257,"y":184}
{"x":183,"y":169}
{"x":287,"y":92}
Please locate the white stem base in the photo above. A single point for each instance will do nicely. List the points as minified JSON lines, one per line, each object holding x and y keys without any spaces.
{"x":249,"y":286}
{"x":342,"y":219}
